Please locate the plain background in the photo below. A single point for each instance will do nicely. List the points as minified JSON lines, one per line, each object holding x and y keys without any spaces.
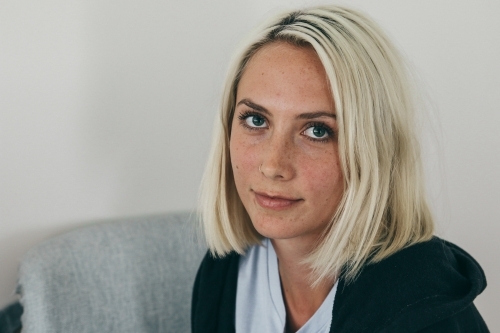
{"x":106,"y":110}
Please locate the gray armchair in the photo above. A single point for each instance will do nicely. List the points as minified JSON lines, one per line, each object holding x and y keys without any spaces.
{"x":133,"y":275}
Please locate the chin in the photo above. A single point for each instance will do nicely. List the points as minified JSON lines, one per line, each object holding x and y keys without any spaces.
{"x":275,"y":227}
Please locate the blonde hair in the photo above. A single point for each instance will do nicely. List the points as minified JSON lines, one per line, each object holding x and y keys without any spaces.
{"x":383,"y":208}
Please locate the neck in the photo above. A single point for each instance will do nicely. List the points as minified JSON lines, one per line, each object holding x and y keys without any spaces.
{"x":301,"y":300}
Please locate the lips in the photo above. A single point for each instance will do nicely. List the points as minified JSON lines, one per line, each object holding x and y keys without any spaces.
{"x":275,"y":202}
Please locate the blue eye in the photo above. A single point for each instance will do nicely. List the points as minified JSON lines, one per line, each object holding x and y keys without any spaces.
{"x":317,"y":132}
{"x":254,"y":120}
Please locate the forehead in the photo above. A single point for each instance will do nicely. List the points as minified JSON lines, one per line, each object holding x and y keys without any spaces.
{"x":285,"y":75}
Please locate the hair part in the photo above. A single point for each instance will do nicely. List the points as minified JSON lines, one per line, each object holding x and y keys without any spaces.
{"x":383,"y":208}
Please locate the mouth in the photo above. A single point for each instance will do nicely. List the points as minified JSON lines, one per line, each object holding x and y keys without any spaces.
{"x":275,"y":202}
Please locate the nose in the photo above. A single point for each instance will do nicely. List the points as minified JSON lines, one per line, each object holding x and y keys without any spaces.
{"x":277,"y":161}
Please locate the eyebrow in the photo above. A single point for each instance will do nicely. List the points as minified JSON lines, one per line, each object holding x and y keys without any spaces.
{"x":307,"y":115}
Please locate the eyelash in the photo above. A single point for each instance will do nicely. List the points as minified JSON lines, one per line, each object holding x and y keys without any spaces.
{"x":244,"y":115}
{"x":327,"y":128}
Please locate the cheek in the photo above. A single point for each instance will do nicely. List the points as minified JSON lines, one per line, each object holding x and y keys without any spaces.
{"x":243,"y":159}
{"x":323,"y":178}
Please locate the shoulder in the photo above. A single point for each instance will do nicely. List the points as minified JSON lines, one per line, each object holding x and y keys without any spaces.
{"x":216,"y":274}
{"x":214,"y":294}
{"x":417,"y":287}
{"x":213,"y":267}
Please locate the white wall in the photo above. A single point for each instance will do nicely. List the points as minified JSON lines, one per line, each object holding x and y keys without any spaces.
{"x":106,"y":110}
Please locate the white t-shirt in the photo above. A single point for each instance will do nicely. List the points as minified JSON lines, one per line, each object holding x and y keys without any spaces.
{"x":259,"y":300}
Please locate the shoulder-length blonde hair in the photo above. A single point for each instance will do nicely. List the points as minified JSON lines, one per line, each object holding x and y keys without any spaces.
{"x":383,"y":208}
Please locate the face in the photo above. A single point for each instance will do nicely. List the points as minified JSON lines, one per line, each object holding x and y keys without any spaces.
{"x":283,"y":145}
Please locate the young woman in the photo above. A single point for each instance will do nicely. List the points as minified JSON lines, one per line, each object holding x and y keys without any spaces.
{"x":313,"y":202}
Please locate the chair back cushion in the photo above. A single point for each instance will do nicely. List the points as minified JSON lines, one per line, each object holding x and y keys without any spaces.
{"x":133,"y":275}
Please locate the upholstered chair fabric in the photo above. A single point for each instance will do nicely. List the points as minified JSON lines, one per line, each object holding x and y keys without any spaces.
{"x":133,"y":275}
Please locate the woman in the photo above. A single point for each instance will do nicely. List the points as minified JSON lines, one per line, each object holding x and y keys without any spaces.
{"x":313,"y":202}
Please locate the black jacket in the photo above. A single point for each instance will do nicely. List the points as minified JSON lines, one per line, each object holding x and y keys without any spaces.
{"x":427,"y":287}
{"x":10,"y":318}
